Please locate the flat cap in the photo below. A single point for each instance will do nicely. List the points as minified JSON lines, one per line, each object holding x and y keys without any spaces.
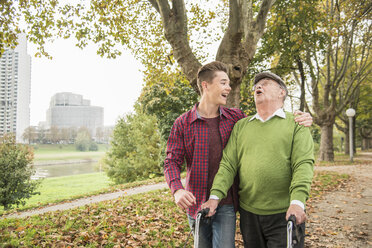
{"x":267,"y":74}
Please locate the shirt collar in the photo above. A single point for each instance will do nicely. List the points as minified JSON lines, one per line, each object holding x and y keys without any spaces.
{"x":195,"y":115}
{"x":279,"y":112}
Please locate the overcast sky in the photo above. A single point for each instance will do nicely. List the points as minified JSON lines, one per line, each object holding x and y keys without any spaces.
{"x":113,"y":84}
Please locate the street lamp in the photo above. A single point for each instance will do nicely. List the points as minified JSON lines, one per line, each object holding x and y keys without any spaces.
{"x":351,"y":113}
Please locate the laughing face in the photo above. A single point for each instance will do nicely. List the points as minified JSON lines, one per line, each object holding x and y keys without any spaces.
{"x":267,"y":90}
{"x":219,"y":89}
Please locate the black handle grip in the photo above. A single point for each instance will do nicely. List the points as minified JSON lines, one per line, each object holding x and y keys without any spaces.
{"x":204,"y":212}
{"x":293,"y":219}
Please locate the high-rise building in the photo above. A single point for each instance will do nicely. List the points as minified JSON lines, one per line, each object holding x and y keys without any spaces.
{"x":71,"y":110}
{"x":15,"y":89}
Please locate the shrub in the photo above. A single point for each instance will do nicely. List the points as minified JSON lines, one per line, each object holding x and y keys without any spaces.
{"x":83,"y":140}
{"x":93,"y":146}
{"x":15,"y":173}
{"x":135,"y":149}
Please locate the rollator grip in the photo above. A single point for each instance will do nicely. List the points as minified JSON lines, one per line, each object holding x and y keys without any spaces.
{"x":204,"y":212}
{"x":293,"y":219}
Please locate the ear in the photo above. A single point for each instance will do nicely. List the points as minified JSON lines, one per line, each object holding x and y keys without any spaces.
{"x":204,"y":85}
{"x":282,"y":93}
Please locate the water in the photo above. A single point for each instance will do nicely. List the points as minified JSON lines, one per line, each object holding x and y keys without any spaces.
{"x":59,"y":170}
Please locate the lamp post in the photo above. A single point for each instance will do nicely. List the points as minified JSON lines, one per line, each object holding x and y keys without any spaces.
{"x":351,"y":113}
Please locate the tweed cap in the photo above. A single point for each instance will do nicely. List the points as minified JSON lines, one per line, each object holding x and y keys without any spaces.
{"x":267,"y":74}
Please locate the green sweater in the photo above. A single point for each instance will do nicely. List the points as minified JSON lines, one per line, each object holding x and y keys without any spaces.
{"x":274,"y":160}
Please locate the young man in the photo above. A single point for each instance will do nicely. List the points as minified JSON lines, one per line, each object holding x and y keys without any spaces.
{"x":200,"y":135}
{"x":275,"y":172}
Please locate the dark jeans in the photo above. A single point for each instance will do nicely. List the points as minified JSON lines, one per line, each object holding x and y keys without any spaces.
{"x":265,"y":231}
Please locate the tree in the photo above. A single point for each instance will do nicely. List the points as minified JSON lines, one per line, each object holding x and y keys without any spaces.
{"x":167,"y":102}
{"x":99,"y":134}
{"x":83,"y":139}
{"x":54,"y":134}
{"x":135,"y":148}
{"x":30,"y":135}
{"x":164,"y":35}
{"x":331,"y":46}
{"x":41,"y":135}
{"x":364,"y":115}
{"x":15,"y":173}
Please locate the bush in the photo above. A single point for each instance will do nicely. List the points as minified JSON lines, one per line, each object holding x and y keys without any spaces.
{"x":83,"y":140}
{"x":15,"y":173}
{"x":135,"y":149}
{"x":93,"y":146}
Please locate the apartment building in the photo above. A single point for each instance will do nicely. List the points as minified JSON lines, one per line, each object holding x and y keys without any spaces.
{"x":15,"y":89}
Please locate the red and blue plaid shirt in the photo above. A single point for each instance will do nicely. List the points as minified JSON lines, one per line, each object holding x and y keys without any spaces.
{"x":189,"y":139}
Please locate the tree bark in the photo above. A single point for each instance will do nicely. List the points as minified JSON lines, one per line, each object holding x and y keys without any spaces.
{"x":233,"y":101}
{"x":303,"y":79}
{"x":326,"y":143}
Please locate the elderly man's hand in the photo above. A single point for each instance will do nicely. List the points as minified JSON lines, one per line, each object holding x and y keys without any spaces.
{"x":212,"y":204}
{"x":184,"y":198}
{"x":302,"y":118}
{"x":298,"y":212}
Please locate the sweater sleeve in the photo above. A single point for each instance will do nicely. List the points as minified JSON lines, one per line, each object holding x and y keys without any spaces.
{"x":175,"y":157}
{"x":228,"y":167}
{"x":302,"y":163}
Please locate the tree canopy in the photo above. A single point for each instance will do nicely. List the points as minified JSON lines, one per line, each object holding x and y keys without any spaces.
{"x":324,"y":46}
{"x":168,"y":37}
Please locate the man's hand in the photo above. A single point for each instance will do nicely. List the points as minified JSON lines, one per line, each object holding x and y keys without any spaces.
{"x":297,"y":211}
{"x":184,"y":199}
{"x":212,"y":204}
{"x":302,"y":118}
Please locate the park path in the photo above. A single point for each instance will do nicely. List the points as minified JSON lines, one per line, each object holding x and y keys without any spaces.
{"x":343,"y":218}
{"x":88,"y":200}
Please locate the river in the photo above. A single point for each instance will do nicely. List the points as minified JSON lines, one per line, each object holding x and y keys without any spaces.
{"x":59,"y":170}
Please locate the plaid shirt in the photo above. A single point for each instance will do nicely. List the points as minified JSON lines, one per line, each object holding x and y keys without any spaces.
{"x":189,"y":139}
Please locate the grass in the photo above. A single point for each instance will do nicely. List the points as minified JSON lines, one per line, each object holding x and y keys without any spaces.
{"x":57,"y":189}
{"x":145,"y":220}
{"x":60,"y":189}
{"x":45,"y":152}
{"x":342,"y":159}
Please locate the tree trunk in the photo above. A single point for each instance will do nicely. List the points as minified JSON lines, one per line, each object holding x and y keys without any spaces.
{"x":303,"y":79}
{"x":347,"y":144}
{"x":326,"y":143}
{"x":233,"y":100}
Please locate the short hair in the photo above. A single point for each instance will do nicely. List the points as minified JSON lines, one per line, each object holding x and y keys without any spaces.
{"x":269,"y":75}
{"x":207,"y":73}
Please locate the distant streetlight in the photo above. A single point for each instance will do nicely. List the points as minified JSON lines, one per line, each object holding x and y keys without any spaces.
{"x":351,"y":113}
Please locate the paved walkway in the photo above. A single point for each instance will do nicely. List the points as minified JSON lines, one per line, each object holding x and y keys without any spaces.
{"x":88,"y":200}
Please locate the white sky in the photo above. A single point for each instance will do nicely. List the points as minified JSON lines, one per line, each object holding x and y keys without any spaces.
{"x":113,"y":84}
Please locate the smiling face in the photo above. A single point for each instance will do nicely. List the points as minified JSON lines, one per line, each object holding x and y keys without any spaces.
{"x":217,"y":91}
{"x":268,"y":91}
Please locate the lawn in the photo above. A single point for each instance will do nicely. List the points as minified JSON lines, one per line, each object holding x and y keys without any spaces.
{"x":57,"y":189}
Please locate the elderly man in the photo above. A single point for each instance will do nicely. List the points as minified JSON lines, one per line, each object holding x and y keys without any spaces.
{"x":275,"y":173}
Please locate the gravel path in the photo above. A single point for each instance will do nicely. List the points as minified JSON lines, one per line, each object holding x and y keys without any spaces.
{"x":343,"y":218}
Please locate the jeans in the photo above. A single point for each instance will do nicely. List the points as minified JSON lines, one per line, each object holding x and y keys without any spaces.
{"x":220,"y":232}
{"x":266,"y":231}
